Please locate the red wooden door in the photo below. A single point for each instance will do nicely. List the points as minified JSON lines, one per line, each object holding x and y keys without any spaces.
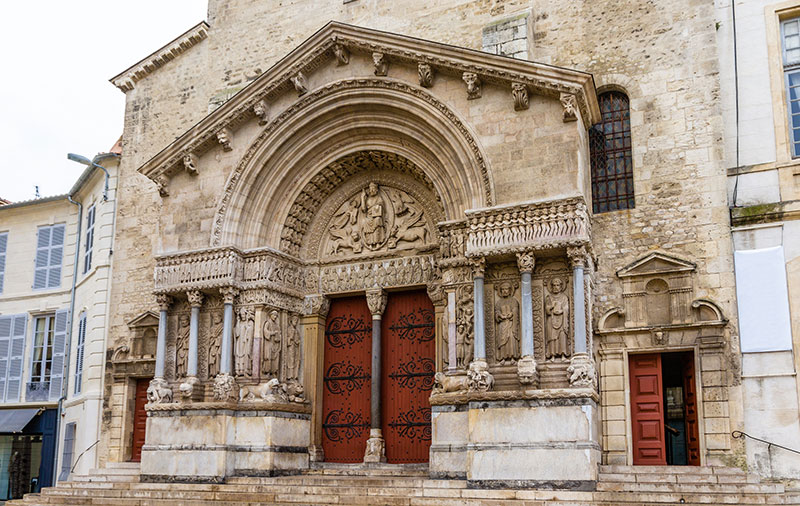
{"x":139,"y":419}
{"x":408,"y":347}
{"x":690,"y":406}
{"x":347,"y":380}
{"x":647,"y":410}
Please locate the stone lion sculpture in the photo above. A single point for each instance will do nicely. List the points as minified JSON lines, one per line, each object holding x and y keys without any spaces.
{"x":443,"y":383}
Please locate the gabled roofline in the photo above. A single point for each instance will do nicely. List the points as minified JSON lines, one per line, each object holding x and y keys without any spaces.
{"x":539,"y":78}
{"x":126,"y":79}
{"x":680,"y":265}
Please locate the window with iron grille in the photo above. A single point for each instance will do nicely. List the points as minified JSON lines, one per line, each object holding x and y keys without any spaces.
{"x":610,"y":150}
{"x":790,"y":36}
{"x":87,"y":255}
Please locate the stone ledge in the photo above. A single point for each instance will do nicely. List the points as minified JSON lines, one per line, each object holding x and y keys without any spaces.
{"x":229,"y":408}
{"x":579,"y":485}
{"x":224,"y":447}
{"x":551,"y":394}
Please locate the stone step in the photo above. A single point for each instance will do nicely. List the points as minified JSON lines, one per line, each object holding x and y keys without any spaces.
{"x":694,"y":470}
{"x":691,"y":488}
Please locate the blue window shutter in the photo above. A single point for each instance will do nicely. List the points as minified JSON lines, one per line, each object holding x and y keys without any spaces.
{"x":17,"y":352}
{"x":59,"y":345}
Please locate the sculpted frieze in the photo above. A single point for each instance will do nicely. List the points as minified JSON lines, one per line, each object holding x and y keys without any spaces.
{"x":396,"y":272}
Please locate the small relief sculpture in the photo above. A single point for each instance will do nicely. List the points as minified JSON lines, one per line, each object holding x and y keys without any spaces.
{"x":158,"y":392}
{"x":271,"y":351}
{"x":443,"y":384}
{"x":570,"y":107}
{"x":557,"y":320}
{"x":464,"y":327}
{"x":243,"y":348}
{"x":479,"y":379}
{"x":506,"y":315}
{"x":344,"y":230}
{"x":162,"y":183}
{"x":425,"y":75}
{"x":214,"y":343}
{"x":271,"y":391}
{"x":581,"y":372}
{"x":224,"y":137}
{"x":182,"y":346}
{"x":190,"y":163}
{"x":381,"y":64}
{"x":519,"y":92}
{"x":262,"y":112}
{"x":473,"y":85}
{"x":300,"y":84}
{"x":373,"y":207}
{"x":342,"y":55}
{"x":293,"y":349}
{"x":224,"y":387}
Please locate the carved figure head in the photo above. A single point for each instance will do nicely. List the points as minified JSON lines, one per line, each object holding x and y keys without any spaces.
{"x":294,"y":319}
{"x":505,"y":289}
{"x":372,"y":189}
{"x":184,"y":320}
{"x":216,"y":318}
{"x":273,"y":315}
{"x":556,"y":285}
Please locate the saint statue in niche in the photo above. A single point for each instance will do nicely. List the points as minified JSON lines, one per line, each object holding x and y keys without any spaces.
{"x":243,"y":349}
{"x":556,"y":305}
{"x":182,"y":346}
{"x":214,"y":343}
{"x":464,"y":328}
{"x":271,"y":352}
{"x":293,"y":349}
{"x":506,"y":315}
{"x":374,"y":228}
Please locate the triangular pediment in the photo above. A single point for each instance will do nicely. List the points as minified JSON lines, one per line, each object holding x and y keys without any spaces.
{"x":336,"y":41}
{"x":655,"y":263}
{"x":146,"y":319}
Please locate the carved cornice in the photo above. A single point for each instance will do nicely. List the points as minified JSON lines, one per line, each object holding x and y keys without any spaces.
{"x":335,"y":37}
{"x":525,"y":227}
{"x":287,"y":407}
{"x":126,"y":80}
{"x":465,"y":397}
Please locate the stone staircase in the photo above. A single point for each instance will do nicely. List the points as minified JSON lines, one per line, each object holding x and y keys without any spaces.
{"x":409,"y":486}
{"x":113,"y":472}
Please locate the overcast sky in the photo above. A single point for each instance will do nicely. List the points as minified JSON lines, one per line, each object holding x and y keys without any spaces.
{"x":55,"y":98}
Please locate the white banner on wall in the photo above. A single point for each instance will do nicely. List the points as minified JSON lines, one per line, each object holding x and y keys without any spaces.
{"x":763,"y":300}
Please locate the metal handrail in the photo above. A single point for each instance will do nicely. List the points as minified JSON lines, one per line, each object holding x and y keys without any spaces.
{"x":81,"y":455}
{"x":737,"y":434}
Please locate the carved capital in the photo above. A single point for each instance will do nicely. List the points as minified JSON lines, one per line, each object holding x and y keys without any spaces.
{"x":437,"y":294}
{"x":342,"y":54}
{"x":473,"y":83}
{"x":578,"y":256}
{"x":519,"y":92}
{"x":478,"y":265}
{"x":300,"y":84}
{"x":570,"y":104}
{"x":376,"y":301}
{"x":381,"y":64}
{"x":162,"y":182}
{"x":526,"y":261}
{"x":195,"y":298}
{"x":229,"y":294}
{"x":164,"y":301}
{"x":425,"y":72}
{"x":316,"y":305}
{"x":190,"y":163}
{"x":261,"y":110}
{"x":225,"y":137}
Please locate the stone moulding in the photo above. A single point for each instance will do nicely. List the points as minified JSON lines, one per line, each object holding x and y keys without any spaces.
{"x":540,"y":79}
{"x":456,"y":398}
{"x":523,"y":227}
{"x":179,"y":408}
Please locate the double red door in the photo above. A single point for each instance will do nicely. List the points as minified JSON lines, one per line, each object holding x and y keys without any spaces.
{"x":407,"y":369}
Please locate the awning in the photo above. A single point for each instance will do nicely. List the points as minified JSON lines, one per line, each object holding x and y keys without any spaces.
{"x":14,"y":420}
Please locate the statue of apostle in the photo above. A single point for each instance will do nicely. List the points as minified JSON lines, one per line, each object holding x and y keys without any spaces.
{"x":293,"y":349}
{"x":182,"y":346}
{"x":506,"y":315}
{"x":214,"y":343}
{"x":271,"y":351}
{"x":243,"y":348}
{"x":556,"y":333}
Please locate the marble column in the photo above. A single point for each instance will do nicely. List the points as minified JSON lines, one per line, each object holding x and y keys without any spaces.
{"x":315,"y":310}
{"x":376,"y":446}
{"x":225,"y":387}
{"x":581,"y":371}
{"x":452,"y":333}
{"x":526,"y":366}
{"x":187,"y":387}
{"x":158,"y":391}
{"x":478,"y":376}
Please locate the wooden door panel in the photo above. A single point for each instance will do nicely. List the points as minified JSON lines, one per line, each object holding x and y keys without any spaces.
{"x":346,"y":381}
{"x":408,"y":366}
{"x":139,"y":419}
{"x":647,"y":410}
{"x":690,"y":407}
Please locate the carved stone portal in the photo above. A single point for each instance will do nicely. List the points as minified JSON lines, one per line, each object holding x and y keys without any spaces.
{"x":379,"y":218}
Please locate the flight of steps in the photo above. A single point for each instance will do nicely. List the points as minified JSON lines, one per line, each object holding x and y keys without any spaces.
{"x":113,"y":472}
{"x":390,"y":486}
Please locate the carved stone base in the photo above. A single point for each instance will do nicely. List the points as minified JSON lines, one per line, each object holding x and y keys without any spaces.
{"x":376,"y":447}
{"x":526,"y":371}
{"x":582,"y":372}
{"x":479,"y":379}
{"x":316,"y":454}
{"x":159,"y":391}
{"x":188,"y":390}
{"x":225,"y":388}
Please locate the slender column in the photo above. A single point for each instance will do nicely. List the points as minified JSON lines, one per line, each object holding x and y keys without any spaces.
{"x":478,"y":267}
{"x":315,"y":309}
{"x":376,"y":452}
{"x":438,"y":298}
{"x":226,"y":348}
{"x":195,"y":301}
{"x":158,"y":391}
{"x":581,"y":371}
{"x":579,"y":303}
{"x":452,"y":333}
{"x":526,"y":366}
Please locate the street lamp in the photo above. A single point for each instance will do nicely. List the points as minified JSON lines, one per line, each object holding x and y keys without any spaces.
{"x":90,"y":163}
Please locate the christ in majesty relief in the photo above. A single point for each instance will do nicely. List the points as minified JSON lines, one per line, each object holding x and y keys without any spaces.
{"x":374,"y":228}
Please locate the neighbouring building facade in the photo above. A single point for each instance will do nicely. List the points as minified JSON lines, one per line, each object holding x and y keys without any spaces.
{"x":492,"y":238}
{"x":46,"y":368}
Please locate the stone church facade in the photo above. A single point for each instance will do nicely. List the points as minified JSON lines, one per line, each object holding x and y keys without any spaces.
{"x":373,"y":240}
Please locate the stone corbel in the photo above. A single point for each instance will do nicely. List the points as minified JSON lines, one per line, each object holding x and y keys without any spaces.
{"x":225,"y":137}
{"x":437,"y":294}
{"x":316,"y":305}
{"x":300,"y":84}
{"x":519,"y":92}
{"x":261,"y":110}
{"x":162,"y":183}
{"x":381,"y":64}
{"x":425,"y":72}
{"x":190,"y":163}
{"x":473,"y":83}
{"x":342,"y":54}
{"x":570,"y":104}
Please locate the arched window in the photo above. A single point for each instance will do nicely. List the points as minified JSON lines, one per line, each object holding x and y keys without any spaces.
{"x":610,"y":147}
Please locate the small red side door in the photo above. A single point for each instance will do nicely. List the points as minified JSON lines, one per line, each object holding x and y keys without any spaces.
{"x":690,"y":406}
{"x":647,"y":410}
{"x":139,"y":419}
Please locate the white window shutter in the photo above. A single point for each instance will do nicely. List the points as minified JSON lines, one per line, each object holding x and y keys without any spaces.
{"x":69,"y":446}
{"x":42,"y":262}
{"x":79,"y":353}
{"x":87,"y":255}
{"x":3,"y":248}
{"x":14,"y":381}
{"x":56,"y":254}
{"x":6,"y":322}
{"x":59,"y":345}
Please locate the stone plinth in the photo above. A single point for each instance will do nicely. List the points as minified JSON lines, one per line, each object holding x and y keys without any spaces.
{"x":544,"y":439}
{"x":208,"y":442}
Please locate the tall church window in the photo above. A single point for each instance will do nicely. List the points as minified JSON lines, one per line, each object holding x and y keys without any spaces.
{"x":790,"y":35}
{"x":610,"y":149}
